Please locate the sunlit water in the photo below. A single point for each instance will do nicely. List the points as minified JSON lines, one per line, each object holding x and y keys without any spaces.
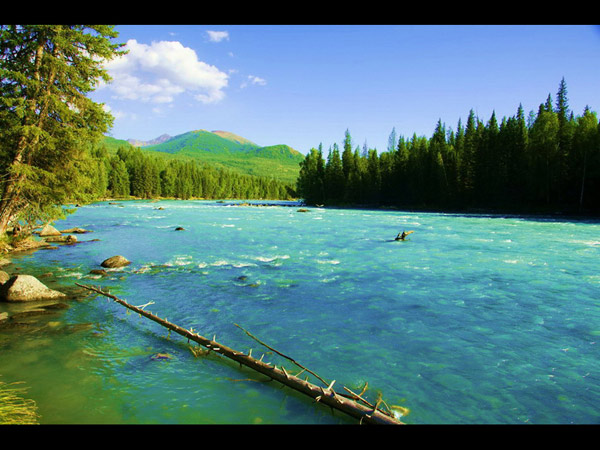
{"x":474,"y":319}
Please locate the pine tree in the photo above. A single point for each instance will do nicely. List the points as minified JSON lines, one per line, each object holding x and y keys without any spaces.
{"x":586,"y":159}
{"x":392,"y":140}
{"x":311,"y":179}
{"x":48,"y":122}
{"x":566,"y":127}
{"x":488,"y":163}
{"x":544,"y":151}
{"x":347,"y":156}
{"x":334,"y":176}
{"x":373,"y":191}
{"x":468,"y":160}
{"x":400,"y":171}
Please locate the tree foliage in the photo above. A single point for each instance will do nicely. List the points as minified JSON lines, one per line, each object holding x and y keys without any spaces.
{"x":549,"y":161}
{"x":48,"y":121}
{"x":51,"y":145}
{"x":132,"y":172}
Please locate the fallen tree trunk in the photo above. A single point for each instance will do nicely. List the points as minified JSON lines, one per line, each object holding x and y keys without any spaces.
{"x":353,"y":406}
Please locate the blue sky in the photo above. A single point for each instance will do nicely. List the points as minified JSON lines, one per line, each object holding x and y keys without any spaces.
{"x":303,"y":85}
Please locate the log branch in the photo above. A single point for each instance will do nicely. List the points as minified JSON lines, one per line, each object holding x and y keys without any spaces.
{"x":281,"y":354}
{"x":365,"y":414}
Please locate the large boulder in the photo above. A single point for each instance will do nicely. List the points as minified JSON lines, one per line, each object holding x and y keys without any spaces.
{"x":49,"y":230}
{"x":115,"y":261}
{"x":23,"y":288}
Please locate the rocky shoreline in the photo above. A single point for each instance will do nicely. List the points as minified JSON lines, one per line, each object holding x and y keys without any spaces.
{"x":23,"y":297}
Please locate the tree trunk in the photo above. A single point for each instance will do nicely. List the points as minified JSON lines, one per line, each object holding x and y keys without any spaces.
{"x":11,"y":188}
{"x":365,"y":413}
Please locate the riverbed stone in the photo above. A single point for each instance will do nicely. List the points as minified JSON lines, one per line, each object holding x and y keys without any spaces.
{"x":76,"y":230}
{"x":98,"y":272}
{"x":115,"y":261}
{"x":49,"y":230}
{"x":68,"y":239}
{"x":23,"y":288}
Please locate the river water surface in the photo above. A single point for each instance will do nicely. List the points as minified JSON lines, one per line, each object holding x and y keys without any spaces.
{"x":473,"y":319}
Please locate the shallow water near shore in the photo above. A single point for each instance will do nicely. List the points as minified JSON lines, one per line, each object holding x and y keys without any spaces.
{"x":473,"y":319}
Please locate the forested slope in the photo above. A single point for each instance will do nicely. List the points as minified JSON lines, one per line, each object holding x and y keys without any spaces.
{"x":548,"y":161}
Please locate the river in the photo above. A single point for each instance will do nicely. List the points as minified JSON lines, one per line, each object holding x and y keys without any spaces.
{"x":474,"y":319}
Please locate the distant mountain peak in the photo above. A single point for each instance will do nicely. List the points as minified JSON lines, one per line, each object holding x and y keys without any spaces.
{"x":233,"y":137}
{"x":159,"y":140}
{"x":165,"y":137}
{"x":226,"y":150}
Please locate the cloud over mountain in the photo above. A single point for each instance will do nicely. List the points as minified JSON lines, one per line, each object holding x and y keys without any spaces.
{"x":158,"y":72}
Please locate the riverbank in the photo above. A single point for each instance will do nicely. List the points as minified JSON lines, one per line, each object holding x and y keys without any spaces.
{"x":21,"y":318}
{"x":539,"y":213}
{"x":23,"y":293}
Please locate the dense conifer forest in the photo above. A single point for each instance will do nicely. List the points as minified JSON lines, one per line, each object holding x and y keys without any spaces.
{"x":133,"y":172}
{"x":53,"y":149}
{"x":547,"y":161}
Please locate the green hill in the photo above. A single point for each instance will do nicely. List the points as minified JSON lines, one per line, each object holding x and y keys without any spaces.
{"x":199,"y":141}
{"x":228,"y":150}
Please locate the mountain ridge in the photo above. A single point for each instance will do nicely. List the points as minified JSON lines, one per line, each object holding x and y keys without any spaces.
{"x":159,"y":140}
{"x":228,"y":150}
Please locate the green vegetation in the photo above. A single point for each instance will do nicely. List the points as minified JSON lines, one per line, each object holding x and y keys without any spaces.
{"x":53,"y":149}
{"x":546,"y":162}
{"x":131,"y":171}
{"x":226,"y":150}
{"x":47,"y":120}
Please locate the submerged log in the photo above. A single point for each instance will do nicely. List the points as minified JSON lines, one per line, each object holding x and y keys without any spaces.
{"x":352,"y":406}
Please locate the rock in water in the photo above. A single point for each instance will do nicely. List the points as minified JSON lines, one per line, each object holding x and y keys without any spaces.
{"x":75,"y":230}
{"x":115,"y":261}
{"x":23,"y":288}
{"x":68,"y":239}
{"x":98,"y":272}
{"x":49,"y":230}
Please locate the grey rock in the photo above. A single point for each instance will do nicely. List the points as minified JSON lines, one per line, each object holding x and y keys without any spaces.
{"x":49,"y":230}
{"x":23,"y":288}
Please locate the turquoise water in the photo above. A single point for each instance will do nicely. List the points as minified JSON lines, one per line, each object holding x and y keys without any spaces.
{"x":474,"y":319}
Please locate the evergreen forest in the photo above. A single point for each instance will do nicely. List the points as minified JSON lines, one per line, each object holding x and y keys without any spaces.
{"x":53,"y":146}
{"x":131,"y":171}
{"x":54,"y":150}
{"x":544,"y":162}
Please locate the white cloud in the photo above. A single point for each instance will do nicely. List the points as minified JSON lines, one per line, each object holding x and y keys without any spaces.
{"x":257,"y":80}
{"x":252,"y":79}
{"x":119,"y":114}
{"x":217,"y":36}
{"x":158,"y":72}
